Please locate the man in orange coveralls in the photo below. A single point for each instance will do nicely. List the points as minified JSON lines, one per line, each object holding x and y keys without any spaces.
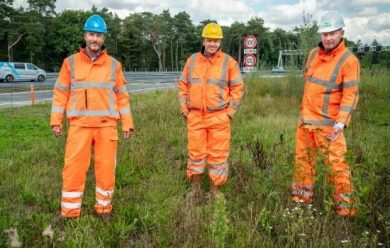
{"x":210,"y":90}
{"x":331,"y":93}
{"x":92,"y":90}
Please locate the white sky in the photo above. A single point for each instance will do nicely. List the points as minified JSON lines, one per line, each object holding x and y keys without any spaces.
{"x":364,"y":19}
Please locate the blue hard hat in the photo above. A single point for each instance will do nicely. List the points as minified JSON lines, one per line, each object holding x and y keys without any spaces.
{"x":95,"y":23}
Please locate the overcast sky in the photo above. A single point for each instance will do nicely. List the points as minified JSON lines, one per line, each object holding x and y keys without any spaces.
{"x":365,"y":19}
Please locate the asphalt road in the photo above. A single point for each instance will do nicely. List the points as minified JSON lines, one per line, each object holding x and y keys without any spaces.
{"x":18,"y":93}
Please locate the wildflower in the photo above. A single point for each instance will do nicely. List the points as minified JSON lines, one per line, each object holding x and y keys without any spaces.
{"x":48,"y":232}
{"x":345,"y":241}
{"x":380,"y":244}
{"x":312,"y":217}
{"x":366,"y":232}
{"x":378,"y":231}
{"x":302,"y":234}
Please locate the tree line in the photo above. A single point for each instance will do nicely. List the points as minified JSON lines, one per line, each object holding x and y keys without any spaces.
{"x":145,"y":41}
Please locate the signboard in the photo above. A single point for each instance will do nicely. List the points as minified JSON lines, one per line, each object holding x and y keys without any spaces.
{"x":249,"y":60}
{"x":250,"y":42}
{"x":250,"y":51}
{"x":249,"y":69}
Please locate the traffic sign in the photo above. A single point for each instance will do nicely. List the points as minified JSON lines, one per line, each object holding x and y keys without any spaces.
{"x":250,"y":42}
{"x":248,"y":69}
{"x":250,"y":51}
{"x":249,"y":60}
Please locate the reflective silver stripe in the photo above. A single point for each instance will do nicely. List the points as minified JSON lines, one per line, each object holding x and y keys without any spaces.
{"x":183,"y":78}
{"x":345,"y":197}
{"x":218,"y":166}
{"x":195,"y":169}
{"x":234,"y":104}
{"x":121,"y":89}
{"x":199,"y":162}
{"x":333,"y":77}
{"x":70,"y":205}
{"x":220,"y":82}
{"x":92,"y":113}
{"x":311,"y":58}
{"x":225,"y":66}
{"x":192,"y":65}
{"x":220,"y":107}
{"x":104,"y":192}
{"x":61,"y":86}
{"x":71,"y":64}
{"x":219,"y":172}
{"x":325,"y":122}
{"x":350,"y":84}
{"x":103,"y":202}
{"x":236,"y":81}
{"x":124,"y":111}
{"x":114,"y":65}
{"x":194,"y":80}
{"x":182,"y":100}
{"x":302,"y":192}
{"x":331,"y":85}
{"x":298,"y":185}
{"x":72,"y":194}
{"x":55,"y":109}
{"x":347,"y":109}
{"x":92,"y":85}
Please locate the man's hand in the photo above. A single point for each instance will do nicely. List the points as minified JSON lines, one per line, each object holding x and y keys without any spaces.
{"x":128,"y":134}
{"x":337,"y":129}
{"x":57,"y":130}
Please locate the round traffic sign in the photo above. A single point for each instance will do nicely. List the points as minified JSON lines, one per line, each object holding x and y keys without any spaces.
{"x":249,"y":60}
{"x":250,"y":42}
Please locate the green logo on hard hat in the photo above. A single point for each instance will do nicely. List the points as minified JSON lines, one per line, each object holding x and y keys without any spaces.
{"x":326,"y":24}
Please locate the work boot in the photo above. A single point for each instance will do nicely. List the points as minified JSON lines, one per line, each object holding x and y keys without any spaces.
{"x":106,"y":217}
{"x":214,"y":191}
{"x":196,"y":191}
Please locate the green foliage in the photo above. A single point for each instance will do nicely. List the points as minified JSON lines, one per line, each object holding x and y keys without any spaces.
{"x":151,"y":208}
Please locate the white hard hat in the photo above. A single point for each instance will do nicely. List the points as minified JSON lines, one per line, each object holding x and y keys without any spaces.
{"x":331,"y":21}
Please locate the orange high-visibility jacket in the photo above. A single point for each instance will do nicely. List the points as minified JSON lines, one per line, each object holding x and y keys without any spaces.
{"x":331,"y":89}
{"x":211,"y":84}
{"x":93,"y":93}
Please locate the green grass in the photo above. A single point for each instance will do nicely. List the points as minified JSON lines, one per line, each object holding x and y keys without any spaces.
{"x":150,"y":203}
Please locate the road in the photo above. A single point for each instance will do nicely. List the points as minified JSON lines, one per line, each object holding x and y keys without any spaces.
{"x":19,"y":94}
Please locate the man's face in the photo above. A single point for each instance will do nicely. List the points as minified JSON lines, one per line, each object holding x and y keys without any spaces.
{"x":211,"y":45}
{"x":94,"y":40}
{"x":331,"y":39}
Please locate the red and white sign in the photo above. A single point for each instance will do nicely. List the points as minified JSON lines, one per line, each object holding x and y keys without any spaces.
{"x":250,"y":42}
{"x":249,"y":60}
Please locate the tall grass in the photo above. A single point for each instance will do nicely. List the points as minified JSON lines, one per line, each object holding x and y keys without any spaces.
{"x":150,"y":204}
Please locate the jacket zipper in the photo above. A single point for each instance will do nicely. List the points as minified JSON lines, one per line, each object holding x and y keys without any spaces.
{"x":86,"y":99}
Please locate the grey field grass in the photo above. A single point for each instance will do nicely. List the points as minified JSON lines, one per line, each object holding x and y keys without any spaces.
{"x":151,"y":207}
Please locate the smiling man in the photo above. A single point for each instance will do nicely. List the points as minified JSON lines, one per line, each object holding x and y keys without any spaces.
{"x":331,"y":93}
{"x":91,"y":90}
{"x":210,"y":91}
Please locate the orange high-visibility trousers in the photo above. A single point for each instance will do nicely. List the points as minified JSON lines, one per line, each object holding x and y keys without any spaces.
{"x":309,"y":144}
{"x":77,"y":159}
{"x":208,"y":144}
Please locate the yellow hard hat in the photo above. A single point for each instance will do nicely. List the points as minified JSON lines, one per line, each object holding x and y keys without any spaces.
{"x":212,"y":31}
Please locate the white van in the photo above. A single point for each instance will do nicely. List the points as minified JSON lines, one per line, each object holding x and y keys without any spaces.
{"x":12,"y":71}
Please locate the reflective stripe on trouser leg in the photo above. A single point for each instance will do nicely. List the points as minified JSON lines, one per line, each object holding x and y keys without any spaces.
{"x":218,"y":145}
{"x":304,"y":172}
{"x":197,"y":144}
{"x":106,"y":141}
{"x":340,"y":176}
{"x":77,"y":159}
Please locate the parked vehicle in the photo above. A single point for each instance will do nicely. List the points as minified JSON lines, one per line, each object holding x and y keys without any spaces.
{"x":13,"y":71}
